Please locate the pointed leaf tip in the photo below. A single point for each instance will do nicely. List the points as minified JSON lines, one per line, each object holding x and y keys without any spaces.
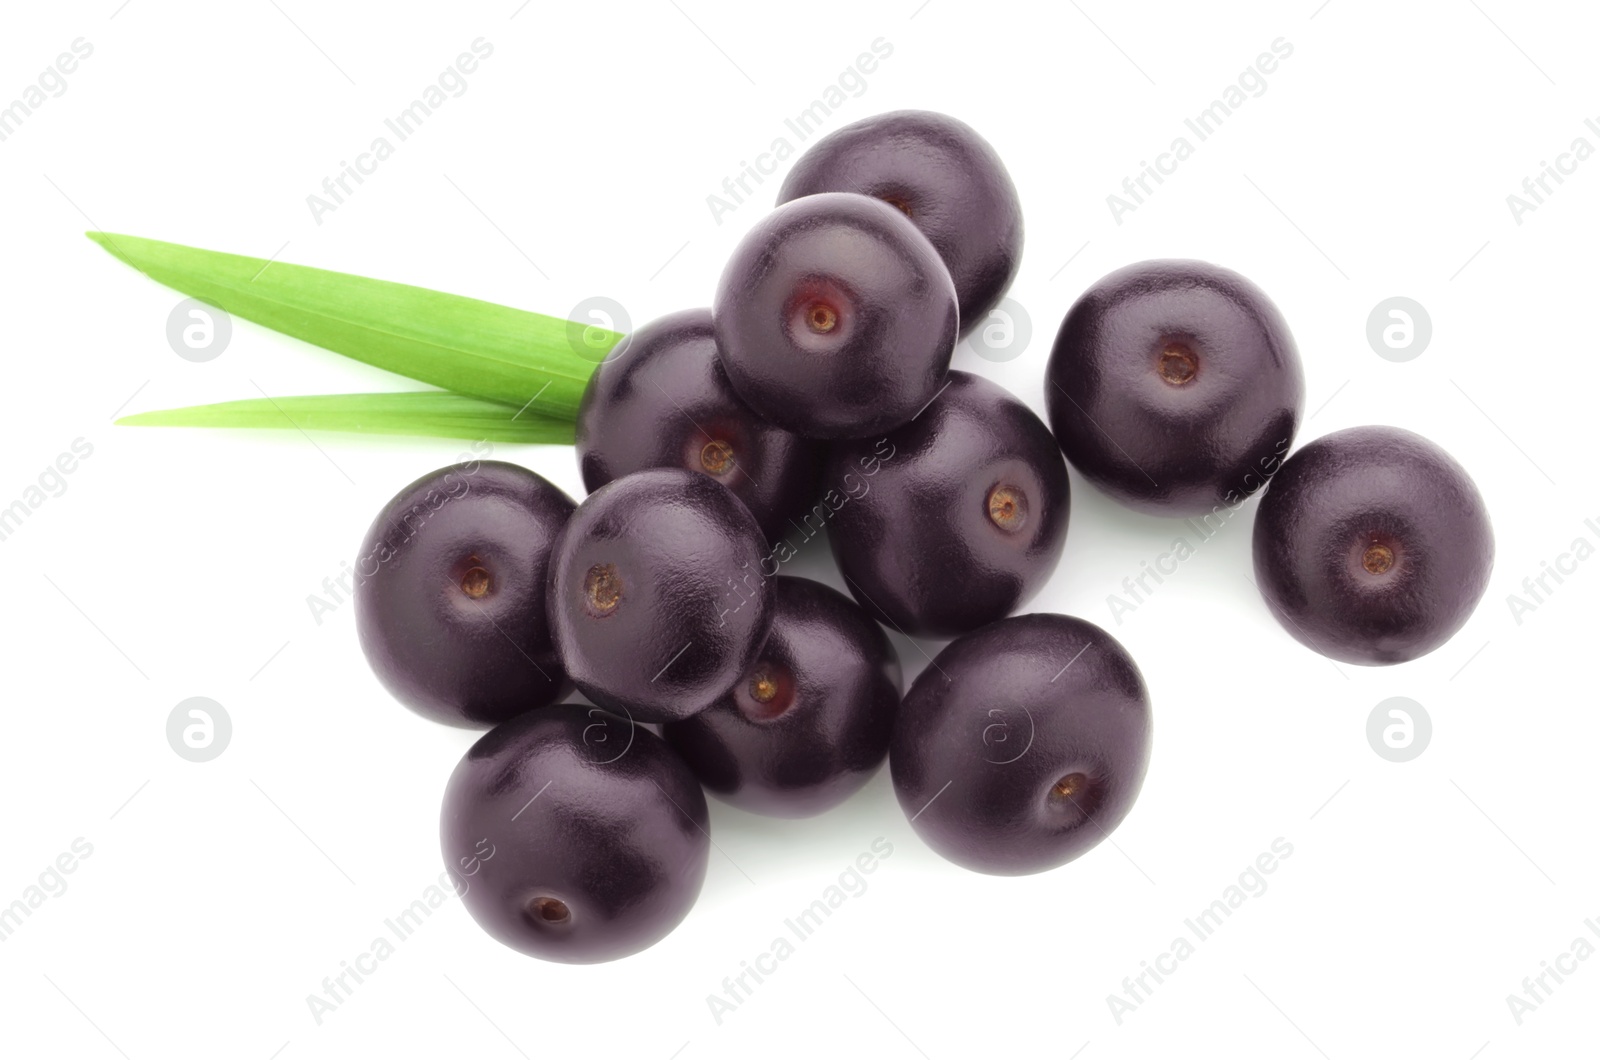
{"x":449,"y":341}
{"x":427,"y":413}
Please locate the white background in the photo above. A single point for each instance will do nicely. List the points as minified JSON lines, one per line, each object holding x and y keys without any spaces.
{"x":578,"y":163}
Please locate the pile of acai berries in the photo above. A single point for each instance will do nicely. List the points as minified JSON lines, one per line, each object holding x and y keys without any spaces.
{"x":815,"y":393}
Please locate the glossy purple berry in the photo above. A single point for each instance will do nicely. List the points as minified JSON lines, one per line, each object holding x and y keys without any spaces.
{"x":835,"y":317}
{"x":809,"y":722}
{"x":943,"y":176}
{"x":450,"y":593}
{"x":1372,"y":546}
{"x":1022,"y":745}
{"x":664,"y":401}
{"x":955,"y":519}
{"x":656,"y":597}
{"x":1175,"y":387}
{"x":575,"y":835}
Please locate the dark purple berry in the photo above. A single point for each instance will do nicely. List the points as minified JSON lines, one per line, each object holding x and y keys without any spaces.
{"x":575,"y":835}
{"x":1022,"y":745}
{"x":962,"y":512}
{"x":450,"y":593}
{"x":1372,"y":546}
{"x":945,"y":178}
{"x":1175,"y":387}
{"x":835,"y":317}
{"x":656,"y":598}
{"x":664,"y":401}
{"x":809,"y":723}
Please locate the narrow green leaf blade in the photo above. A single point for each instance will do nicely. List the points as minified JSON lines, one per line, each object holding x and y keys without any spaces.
{"x":445,"y":340}
{"x":429,"y":413}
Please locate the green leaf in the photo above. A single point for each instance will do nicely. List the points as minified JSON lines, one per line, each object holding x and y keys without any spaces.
{"x":446,"y":340}
{"x":433,"y":413}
